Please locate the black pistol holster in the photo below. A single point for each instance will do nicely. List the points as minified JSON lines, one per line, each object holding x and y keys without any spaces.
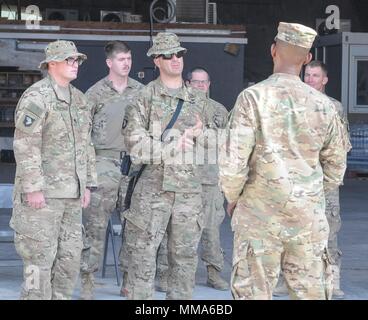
{"x":126,"y":162}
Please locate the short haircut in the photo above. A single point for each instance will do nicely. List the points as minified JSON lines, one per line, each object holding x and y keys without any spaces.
{"x":197,"y":69}
{"x":114,"y":47}
{"x":291,"y":54}
{"x":318,"y":64}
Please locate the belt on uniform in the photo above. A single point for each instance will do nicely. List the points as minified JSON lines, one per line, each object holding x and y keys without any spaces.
{"x":117,"y":155}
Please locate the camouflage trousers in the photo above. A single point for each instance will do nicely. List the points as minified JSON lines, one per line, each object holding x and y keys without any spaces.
{"x":213,"y":206}
{"x":150,"y":215}
{"x":265,"y":244}
{"x":334,"y":222}
{"x":49,"y":240}
{"x":108,"y":197}
{"x":214,"y":213}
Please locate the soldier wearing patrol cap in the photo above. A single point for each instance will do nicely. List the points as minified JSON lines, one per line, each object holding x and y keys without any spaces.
{"x":55,"y":172}
{"x":284,"y":152}
{"x":167,"y":195}
{"x":212,"y":198}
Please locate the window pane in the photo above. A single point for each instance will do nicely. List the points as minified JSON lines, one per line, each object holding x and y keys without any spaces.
{"x":362,"y":83}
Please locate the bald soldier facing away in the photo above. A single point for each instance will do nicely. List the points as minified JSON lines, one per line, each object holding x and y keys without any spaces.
{"x":316,"y":75}
{"x":54,"y":175}
{"x":283,"y":152}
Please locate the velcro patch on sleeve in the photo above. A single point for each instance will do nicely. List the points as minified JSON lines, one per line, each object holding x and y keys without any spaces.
{"x":30,"y":118}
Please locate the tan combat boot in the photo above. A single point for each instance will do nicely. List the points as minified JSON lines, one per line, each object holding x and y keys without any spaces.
{"x":214,"y":279}
{"x":161,"y":281}
{"x":337,"y":293}
{"x":281,"y":289}
{"x":124,"y":290}
{"x":87,"y":286}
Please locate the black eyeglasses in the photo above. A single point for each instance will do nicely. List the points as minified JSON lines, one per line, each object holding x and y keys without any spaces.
{"x":199,"y":81}
{"x":169,"y":56}
{"x":71,"y":61}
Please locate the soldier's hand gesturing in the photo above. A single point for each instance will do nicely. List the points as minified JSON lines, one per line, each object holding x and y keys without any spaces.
{"x":187,"y":139}
{"x":198,"y":128}
{"x":36,"y":200}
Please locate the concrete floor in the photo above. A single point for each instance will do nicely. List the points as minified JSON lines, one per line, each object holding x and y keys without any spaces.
{"x":352,"y":237}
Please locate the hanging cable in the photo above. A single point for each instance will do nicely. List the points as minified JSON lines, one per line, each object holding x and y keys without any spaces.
{"x":169,"y":11}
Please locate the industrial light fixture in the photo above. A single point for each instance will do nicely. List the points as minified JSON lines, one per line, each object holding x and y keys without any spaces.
{"x":209,"y":32}
{"x":21,"y":45}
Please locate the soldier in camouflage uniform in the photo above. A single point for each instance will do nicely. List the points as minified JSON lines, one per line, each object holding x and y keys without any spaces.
{"x":168,"y":193}
{"x":316,"y":75}
{"x":284,"y":150}
{"x":212,"y":198}
{"x":54,"y":175}
{"x":109,"y":98}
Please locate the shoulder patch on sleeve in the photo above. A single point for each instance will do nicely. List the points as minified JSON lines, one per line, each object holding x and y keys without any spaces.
{"x":30,"y":118}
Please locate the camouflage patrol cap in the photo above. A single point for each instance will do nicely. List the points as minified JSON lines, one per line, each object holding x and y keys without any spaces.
{"x":296,"y":34}
{"x":165,"y":43}
{"x":60,"y":50}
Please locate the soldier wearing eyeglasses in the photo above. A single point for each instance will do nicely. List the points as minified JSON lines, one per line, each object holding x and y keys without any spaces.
{"x":167,"y":196}
{"x":54,"y":175}
{"x":213,"y":199}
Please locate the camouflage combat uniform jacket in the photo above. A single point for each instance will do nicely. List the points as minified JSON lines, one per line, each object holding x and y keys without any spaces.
{"x":52,"y":143}
{"x":217,"y":114}
{"x":146,"y":119}
{"x":108,"y":113}
{"x":340,"y":111}
{"x":289,"y":151}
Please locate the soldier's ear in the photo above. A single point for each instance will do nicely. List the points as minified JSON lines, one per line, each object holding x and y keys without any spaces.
{"x":273,"y":50}
{"x":156,"y":61}
{"x":324,"y":80}
{"x":109,"y":63}
{"x":308,"y":58}
{"x":51,"y":65}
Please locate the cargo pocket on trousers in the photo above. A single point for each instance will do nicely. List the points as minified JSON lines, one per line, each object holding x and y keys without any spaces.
{"x":327,"y":273}
{"x":21,"y":223}
{"x":136,"y":218}
{"x":141,"y":212}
